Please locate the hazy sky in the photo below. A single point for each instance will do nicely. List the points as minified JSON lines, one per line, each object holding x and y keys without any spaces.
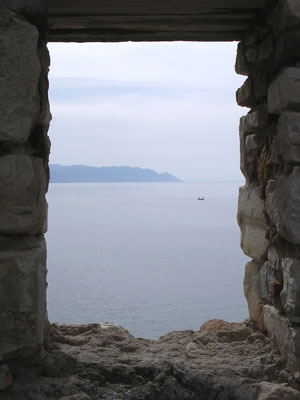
{"x":165,"y":106}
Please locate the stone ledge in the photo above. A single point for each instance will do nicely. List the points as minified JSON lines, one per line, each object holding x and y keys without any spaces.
{"x":103,"y":361}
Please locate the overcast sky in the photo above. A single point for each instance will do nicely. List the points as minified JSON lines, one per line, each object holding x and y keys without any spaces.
{"x":165,"y":106}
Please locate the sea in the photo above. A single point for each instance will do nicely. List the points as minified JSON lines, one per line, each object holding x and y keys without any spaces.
{"x":148,"y":256}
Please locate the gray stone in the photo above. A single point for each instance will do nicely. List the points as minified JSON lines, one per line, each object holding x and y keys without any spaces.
{"x":270,"y":391}
{"x":22,"y":300}
{"x":289,"y":136}
{"x":241,"y":64}
{"x":265,"y":51}
{"x":284,"y":91}
{"x":286,"y":15}
{"x":282,"y":204}
{"x":263,"y":282}
{"x":244,"y":95}
{"x":19,"y":80}
{"x":257,"y":119}
{"x":79,"y":396}
{"x":252,"y":223}
{"x":251,"y":270}
{"x":274,"y":258}
{"x":287,"y":49}
{"x":290,"y":295}
{"x":286,"y":337}
{"x":248,"y":154}
{"x":275,"y":150}
{"x":251,"y":142}
{"x":6,"y":378}
{"x":23,"y":208}
{"x":251,"y":53}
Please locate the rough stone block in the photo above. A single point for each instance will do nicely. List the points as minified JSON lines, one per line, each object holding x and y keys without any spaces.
{"x":282,"y":205}
{"x":252,"y":224}
{"x":23,"y":208}
{"x":289,"y":136}
{"x":251,"y":270}
{"x":22,"y":300}
{"x":286,"y":15}
{"x":287,"y":338}
{"x":290,"y":295}
{"x":273,"y":391}
{"x":275,"y":150}
{"x":248,"y":153}
{"x":244,"y":95}
{"x":284,"y":92}
{"x":287,"y":49}
{"x":257,"y":119}
{"x":19,"y":80}
{"x":251,"y":142}
{"x":265,"y":51}
{"x":241,"y":63}
{"x":263,"y":283}
{"x":261,"y":80}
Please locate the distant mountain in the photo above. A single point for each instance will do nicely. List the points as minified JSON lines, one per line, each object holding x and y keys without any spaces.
{"x":83,"y":173}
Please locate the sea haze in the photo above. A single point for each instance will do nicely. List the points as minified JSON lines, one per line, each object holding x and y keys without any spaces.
{"x":148,"y":256}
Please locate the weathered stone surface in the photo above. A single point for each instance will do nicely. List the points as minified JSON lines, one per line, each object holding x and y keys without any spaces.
{"x":22,"y":300}
{"x":265,"y":51}
{"x":104,"y":361}
{"x":19,"y":79}
{"x":252,"y":223}
{"x":286,"y":337}
{"x":263,"y":282}
{"x":277,"y":392}
{"x":23,"y":208}
{"x":282,"y":204}
{"x":287,"y":49}
{"x":244,"y":95}
{"x":275,"y":150}
{"x":274,"y":258}
{"x":261,"y":80}
{"x":286,"y":15}
{"x":284,"y":92}
{"x":241,"y":63}
{"x":289,"y":136}
{"x":252,"y":298}
{"x":257,"y":119}
{"x":80,"y":396}
{"x":248,"y":154}
{"x":290,"y":295}
{"x":251,"y":142}
{"x":6,"y":378}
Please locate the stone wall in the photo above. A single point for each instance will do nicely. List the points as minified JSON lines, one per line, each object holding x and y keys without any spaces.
{"x":24,"y":149}
{"x":269,"y":203}
{"x":269,"y":212}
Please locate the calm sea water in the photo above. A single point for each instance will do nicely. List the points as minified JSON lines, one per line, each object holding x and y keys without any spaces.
{"x":148,"y":256}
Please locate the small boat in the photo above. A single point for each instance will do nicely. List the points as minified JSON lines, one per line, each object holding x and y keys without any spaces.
{"x":200,"y":198}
